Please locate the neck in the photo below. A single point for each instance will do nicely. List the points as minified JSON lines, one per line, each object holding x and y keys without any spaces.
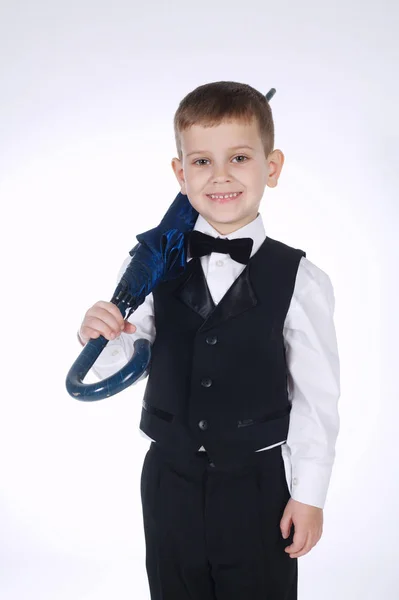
{"x":227,"y":228}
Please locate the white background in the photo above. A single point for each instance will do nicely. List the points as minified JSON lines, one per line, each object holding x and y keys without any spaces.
{"x":88,"y":91}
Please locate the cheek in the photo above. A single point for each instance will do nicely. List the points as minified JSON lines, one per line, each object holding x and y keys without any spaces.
{"x":195,"y":185}
{"x":195,"y":200}
{"x":194,"y":178}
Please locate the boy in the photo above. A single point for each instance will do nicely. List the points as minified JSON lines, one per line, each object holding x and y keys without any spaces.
{"x":241,"y":398}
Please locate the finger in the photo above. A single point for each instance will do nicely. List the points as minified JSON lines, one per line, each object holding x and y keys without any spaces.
{"x":87,"y":333}
{"x":286,"y":523}
{"x":114,"y":320}
{"x":299,"y":554}
{"x":123,"y":325}
{"x":298,"y":542}
{"x":285,"y":528}
{"x":307,"y":547}
{"x":110,"y":307}
{"x":104,"y":323}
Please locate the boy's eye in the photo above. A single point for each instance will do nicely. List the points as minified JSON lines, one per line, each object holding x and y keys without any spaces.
{"x":239,"y":156}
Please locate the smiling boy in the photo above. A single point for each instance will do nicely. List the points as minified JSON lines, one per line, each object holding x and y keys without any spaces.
{"x":241,"y":398}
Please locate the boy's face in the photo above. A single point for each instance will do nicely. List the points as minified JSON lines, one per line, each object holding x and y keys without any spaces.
{"x":216,"y":161}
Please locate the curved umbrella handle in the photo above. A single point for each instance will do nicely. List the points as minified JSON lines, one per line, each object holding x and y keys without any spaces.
{"x":117,"y":382}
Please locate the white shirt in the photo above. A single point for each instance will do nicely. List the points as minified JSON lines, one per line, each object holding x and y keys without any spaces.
{"x":311,"y":354}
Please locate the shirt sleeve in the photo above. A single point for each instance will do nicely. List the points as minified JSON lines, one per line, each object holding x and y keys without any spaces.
{"x":313,"y":375}
{"x":119,"y":351}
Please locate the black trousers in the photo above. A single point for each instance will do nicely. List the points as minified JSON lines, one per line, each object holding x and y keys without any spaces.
{"x":214,"y":535}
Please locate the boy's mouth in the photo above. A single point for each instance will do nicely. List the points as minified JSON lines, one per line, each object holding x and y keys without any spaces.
{"x":223,"y":198}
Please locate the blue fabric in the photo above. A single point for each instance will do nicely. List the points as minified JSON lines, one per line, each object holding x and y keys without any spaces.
{"x":160,"y":255}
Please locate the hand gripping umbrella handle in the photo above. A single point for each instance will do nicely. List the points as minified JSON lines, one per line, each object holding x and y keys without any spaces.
{"x":127,"y":375}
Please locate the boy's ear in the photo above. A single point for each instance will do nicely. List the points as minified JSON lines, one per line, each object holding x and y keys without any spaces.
{"x":178,"y":171}
{"x":275,"y":160}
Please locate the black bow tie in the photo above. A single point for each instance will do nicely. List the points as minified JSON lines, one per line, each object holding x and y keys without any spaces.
{"x":201,"y":244}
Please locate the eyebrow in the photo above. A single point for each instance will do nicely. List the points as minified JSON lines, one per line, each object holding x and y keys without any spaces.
{"x":233,"y":148}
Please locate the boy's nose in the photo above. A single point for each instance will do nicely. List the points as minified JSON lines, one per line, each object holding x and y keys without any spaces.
{"x":220,"y":176}
{"x":220,"y":173}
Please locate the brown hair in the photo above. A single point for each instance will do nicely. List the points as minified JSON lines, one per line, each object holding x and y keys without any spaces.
{"x":210,"y":104}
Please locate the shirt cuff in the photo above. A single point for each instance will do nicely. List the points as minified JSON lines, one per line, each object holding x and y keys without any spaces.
{"x":309,"y":482}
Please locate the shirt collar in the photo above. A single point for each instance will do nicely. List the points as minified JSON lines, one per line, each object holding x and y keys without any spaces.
{"x":255,"y":230}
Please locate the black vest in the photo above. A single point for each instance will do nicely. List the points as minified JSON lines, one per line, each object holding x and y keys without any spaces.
{"x":218,"y":374}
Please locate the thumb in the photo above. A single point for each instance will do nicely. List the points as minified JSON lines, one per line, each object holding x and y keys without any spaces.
{"x":129,"y":327}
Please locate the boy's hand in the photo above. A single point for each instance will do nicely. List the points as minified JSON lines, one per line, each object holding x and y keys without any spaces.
{"x":104,"y":318}
{"x":308,"y":525}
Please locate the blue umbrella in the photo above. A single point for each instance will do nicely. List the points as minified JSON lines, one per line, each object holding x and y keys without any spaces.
{"x":159,"y":256}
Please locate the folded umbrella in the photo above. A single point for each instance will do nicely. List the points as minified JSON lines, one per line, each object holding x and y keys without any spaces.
{"x":159,"y":256}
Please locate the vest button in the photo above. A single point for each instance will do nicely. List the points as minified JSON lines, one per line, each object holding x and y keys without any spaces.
{"x":203,"y":424}
{"x":211,"y":339}
{"x":206,"y":382}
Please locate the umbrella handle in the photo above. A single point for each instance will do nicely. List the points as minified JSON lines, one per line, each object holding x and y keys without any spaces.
{"x":128,"y":374}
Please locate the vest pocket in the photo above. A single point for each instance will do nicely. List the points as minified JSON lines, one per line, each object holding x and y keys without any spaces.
{"x":162,"y":414}
{"x":276,"y":415}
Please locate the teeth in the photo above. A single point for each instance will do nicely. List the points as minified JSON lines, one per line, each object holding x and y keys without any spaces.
{"x":213,"y":196}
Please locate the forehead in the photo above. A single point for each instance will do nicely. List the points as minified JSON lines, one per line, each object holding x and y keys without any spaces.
{"x":226,"y":135}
